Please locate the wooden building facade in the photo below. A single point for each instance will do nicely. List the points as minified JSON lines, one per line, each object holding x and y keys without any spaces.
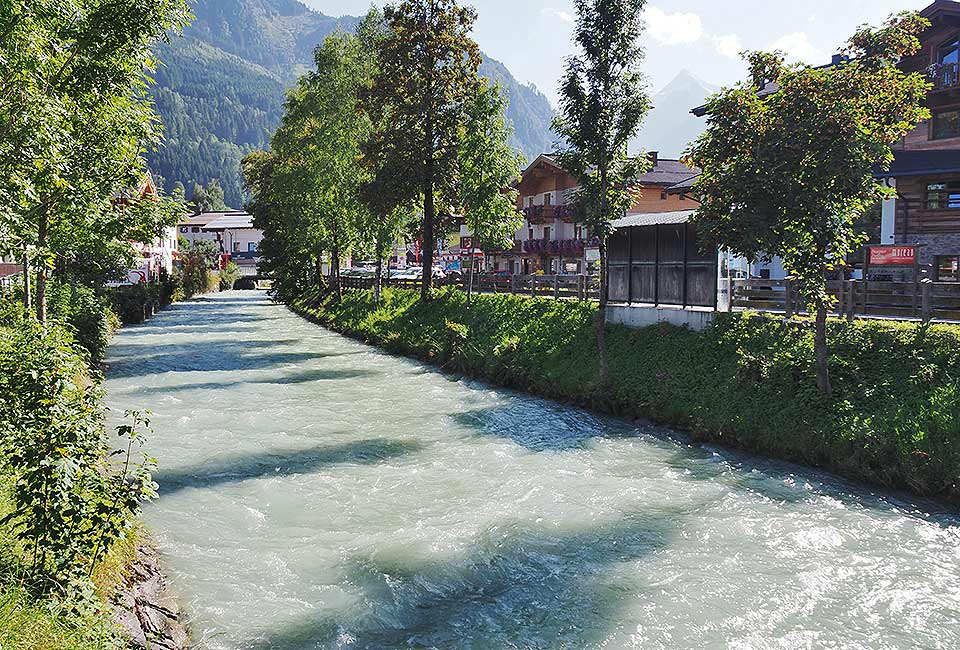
{"x":926,"y":170}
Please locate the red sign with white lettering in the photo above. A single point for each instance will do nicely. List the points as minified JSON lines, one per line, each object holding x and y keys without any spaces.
{"x":893,"y":255}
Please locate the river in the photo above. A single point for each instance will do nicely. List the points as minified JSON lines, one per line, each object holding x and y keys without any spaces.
{"x":318,"y":493}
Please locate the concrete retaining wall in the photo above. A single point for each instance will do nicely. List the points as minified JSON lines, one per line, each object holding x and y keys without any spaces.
{"x":637,"y":316}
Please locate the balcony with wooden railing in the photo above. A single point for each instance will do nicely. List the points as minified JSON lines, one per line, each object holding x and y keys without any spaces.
{"x":944,"y":76}
{"x":543,"y":214}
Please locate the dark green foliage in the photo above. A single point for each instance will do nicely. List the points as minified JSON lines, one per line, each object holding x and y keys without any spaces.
{"x":894,"y":418}
{"x":88,"y":313}
{"x":196,"y":272}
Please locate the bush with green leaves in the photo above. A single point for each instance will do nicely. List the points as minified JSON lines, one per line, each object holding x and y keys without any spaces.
{"x":228,"y":277}
{"x":72,"y":497}
{"x":89,"y":313}
{"x":745,"y":382}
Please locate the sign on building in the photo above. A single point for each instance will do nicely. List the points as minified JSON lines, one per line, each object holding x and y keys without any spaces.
{"x":893,"y":255}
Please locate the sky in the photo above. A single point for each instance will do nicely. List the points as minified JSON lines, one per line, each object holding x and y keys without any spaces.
{"x":704,"y":37}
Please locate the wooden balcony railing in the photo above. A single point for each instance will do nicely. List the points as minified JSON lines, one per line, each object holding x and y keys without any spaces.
{"x":944,"y":76}
{"x":540,"y":214}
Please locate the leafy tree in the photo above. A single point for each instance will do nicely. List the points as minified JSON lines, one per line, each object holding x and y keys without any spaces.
{"x":74,"y":117}
{"x":317,"y":147}
{"x":197,"y":261}
{"x":791,"y":174}
{"x":427,"y":74}
{"x":487,"y":168}
{"x":209,"y":198}
{"x":602,"y":104}
{"x":286,"y":255}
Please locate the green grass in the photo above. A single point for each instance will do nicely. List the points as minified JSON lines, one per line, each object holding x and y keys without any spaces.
{"x":31,"y":623}
{"x":746,"y":382}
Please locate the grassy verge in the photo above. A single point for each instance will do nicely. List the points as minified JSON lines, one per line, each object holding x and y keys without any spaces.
{"x":29,"y":623}
{"x":746,"y":382}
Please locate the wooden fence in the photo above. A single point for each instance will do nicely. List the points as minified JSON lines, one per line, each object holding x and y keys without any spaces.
{"x":914,"y":300}
{"x":558,"y":287}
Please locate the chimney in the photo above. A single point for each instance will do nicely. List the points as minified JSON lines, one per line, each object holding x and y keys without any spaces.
{"x":838,"y":59}
{"x":654,"y":157}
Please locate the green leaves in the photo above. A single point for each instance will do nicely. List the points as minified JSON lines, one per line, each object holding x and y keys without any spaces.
{"x":488,"y":167}
{"x":71,"y":501}
{"x":602,"y":104}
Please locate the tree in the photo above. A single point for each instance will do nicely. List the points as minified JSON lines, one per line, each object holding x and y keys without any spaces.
{"x":209,"y":198}
{"x":427,"y":74}
{"x":790,"y":174}
{"x":488,"y":166}
{"x":74,"y":116}
{"x":318,"y":147}
{"x":602,"y":104}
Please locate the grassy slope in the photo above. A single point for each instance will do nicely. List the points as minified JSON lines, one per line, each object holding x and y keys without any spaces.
{"x":746,"y":382}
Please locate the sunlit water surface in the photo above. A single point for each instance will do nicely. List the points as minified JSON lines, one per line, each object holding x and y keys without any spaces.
{"x":317,"y":493}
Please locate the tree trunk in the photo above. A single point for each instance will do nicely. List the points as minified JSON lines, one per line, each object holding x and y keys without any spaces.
{"x":27,"y":297}
{"x":821,"y":351}
{"x":470,"y":280}
{"x":377,"y":281}
{"x":426,"y":245}
{"x":335,"y":271}
{"x":602,"y":319}
{"x":42,"y":271}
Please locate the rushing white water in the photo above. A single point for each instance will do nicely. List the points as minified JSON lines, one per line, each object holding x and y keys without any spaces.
{"x":317,"y":493}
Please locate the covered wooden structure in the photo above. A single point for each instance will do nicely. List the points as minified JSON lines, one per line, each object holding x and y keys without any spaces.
{"x":655,"y":259}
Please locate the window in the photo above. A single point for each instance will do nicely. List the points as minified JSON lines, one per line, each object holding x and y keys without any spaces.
{"x":547,"y":199}
{"x":950,"y":51}
{"x":251,"y":247}
{"x":529,"y":201}
{"x":946,"y":125}
{"x":195,"y":229}
{"x":530,"y":233}
{"x":236,"y":247}
{"x":943,"y":196}
{"x":184,"y":229}
{"x":546,"y":232}
{"x":578,"y":232}
{"x":948,"y":268}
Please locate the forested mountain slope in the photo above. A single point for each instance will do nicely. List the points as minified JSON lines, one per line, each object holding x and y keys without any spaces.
{"x":220,"y":88}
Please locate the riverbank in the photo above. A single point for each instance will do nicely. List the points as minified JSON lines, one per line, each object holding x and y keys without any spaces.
{"x":99,"y":584}
{"x":746,"y":382}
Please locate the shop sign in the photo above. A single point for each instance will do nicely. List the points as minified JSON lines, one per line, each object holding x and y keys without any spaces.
{"x":893,"y":255}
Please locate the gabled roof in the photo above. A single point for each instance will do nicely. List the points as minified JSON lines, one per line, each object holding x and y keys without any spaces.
{"x":654,"y":219}
{"x":667,"y":172}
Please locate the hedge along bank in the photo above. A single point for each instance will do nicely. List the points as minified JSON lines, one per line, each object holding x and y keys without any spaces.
{"x":746,"y":382}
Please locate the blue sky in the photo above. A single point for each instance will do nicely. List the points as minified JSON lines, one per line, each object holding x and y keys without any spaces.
{"x":532,"y":37}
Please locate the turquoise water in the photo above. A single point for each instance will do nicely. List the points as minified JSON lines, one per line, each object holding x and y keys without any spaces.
{"x":317,"y":493}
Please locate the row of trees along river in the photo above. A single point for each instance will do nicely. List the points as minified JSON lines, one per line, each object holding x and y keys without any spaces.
{"x":395,"y":124}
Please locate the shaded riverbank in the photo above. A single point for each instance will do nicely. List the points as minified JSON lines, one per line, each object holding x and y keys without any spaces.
{"x":318,"y":493}
{"x":894,"y":419}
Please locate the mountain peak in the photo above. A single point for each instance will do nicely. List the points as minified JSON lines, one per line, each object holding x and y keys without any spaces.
{"x":688,"y":83}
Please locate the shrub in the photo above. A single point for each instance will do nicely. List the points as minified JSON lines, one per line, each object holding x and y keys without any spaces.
{"x":228,"y":277}
{"x":71,"y":502}
{"x":746,"y":382}
{"x":89,"y":314}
